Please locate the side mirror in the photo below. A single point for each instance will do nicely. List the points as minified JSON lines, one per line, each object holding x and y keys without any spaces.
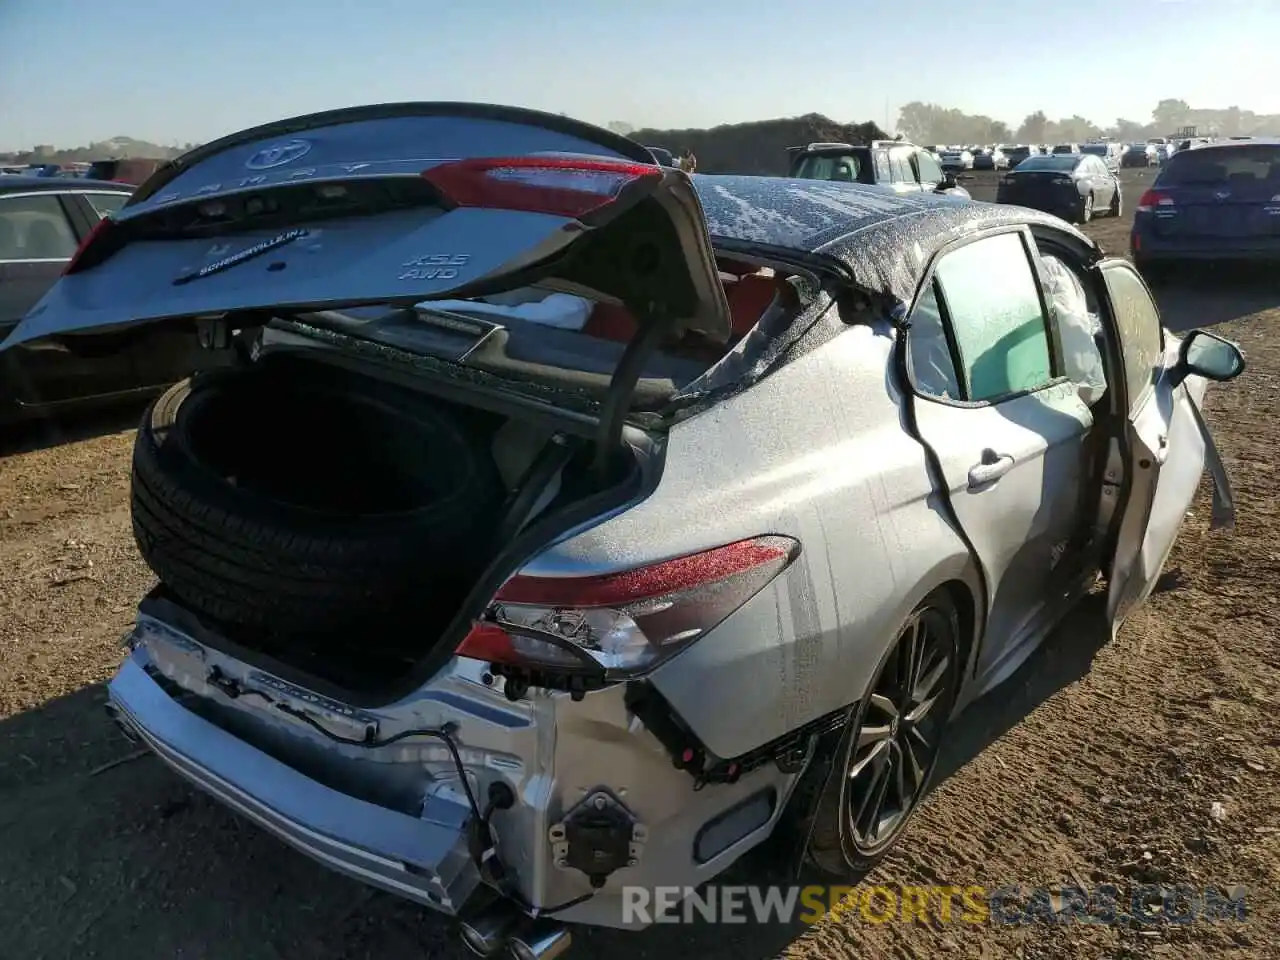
{"x":1210,"y":356}
{"x":948,"y":182}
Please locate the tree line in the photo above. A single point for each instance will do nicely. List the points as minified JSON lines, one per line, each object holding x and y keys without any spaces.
{"x":933,"y":123}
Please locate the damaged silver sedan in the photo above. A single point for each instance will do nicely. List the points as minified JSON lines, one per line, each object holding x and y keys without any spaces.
{"x":556,"y":522}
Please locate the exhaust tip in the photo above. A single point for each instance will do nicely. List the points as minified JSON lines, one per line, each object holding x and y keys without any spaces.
{"x":540,"y":940}
{"x":486,"y":933}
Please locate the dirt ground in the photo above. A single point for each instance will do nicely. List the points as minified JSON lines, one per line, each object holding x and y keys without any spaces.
{"x":1152,"y":758}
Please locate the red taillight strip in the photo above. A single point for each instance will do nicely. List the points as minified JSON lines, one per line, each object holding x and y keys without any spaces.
{"x":93,"y":236}
{"x":629,"y":586}
{"x":466,"y":183}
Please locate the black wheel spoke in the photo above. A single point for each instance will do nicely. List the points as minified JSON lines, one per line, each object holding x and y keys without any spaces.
{"x":872,"y":757}
{"x":886,"y":706}
{"x":927,"y":693}
{"x":929,"y":685}
{"x":909,"y":662}
{"x":912,"y":762}
{"x":918,"y":735}
{"x":870,"y":735}
{"x":900,"y":773}
{"x":873,"y":804}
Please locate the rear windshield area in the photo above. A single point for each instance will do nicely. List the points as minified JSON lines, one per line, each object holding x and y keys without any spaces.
{"x":1247,"y":165}
{"x":847,"y":167}
{"x":1058,"y":163}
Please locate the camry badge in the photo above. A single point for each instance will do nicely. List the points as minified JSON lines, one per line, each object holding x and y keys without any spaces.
{"x":277,"y":155}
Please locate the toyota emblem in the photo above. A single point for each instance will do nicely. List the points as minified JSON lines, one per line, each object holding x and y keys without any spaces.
{"x":1222,"y":194}
{"x":277,"y":155}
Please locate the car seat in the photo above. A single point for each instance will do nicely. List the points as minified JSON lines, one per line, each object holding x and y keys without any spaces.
{"x":9,"y":249}
{"x":44,"y":242}
{"x":749,"y":297}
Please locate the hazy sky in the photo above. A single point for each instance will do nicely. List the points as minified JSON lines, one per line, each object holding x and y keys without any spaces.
{"x":72,"y":71}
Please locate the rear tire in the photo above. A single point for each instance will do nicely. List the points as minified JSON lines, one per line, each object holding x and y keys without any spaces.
{"x":1086,"y":209}
{"x":307,"y":502}
{"x":902,"y":715}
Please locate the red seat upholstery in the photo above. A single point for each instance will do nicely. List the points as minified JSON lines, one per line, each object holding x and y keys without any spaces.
{"x":748,"y":297}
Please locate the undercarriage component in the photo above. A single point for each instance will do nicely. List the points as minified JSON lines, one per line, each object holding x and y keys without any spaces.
{"x":597,"y":837}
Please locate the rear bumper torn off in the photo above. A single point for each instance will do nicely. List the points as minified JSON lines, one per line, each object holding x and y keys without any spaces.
{"x":424,"y":859}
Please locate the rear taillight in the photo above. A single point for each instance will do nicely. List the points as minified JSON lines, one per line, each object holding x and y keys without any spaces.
{"x":1151,"y":199}
{"x":562,"y":186}
{"x":83,"y":258}
{"x":623,"y":624}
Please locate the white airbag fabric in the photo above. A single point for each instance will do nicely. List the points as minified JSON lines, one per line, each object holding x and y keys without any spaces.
{"x":1077,"y":330}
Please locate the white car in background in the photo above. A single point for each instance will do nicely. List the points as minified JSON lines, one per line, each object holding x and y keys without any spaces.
{"x":956,"y":158}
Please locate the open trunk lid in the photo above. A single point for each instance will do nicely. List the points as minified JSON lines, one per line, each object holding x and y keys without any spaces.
{"x":396,"y":204}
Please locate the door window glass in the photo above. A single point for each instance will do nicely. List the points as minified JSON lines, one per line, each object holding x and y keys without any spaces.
{"x":927,"y":168}
{"x":882,"y":166}
{"x":901,"y":166}
{"x":933,"y":370}
{"x":105,"y":204}
{"x":1141,"y":334}
{"x":35,"y":228}
{"x":993,"y":303}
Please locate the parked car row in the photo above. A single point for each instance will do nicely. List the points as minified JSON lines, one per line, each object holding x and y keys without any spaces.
{"x":131,"y":170}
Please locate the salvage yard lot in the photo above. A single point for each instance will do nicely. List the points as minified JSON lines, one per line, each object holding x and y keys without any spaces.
{"x":1153,"y":758}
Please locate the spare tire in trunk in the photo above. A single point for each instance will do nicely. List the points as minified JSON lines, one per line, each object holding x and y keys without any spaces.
{"x":304,"y":500}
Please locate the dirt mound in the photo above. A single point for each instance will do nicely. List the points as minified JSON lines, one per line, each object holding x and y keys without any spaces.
{"x":759,"y":147}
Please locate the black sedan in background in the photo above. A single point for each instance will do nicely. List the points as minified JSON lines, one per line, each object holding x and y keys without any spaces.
{"x":1073,"y":186}
{"x":42,"y":221}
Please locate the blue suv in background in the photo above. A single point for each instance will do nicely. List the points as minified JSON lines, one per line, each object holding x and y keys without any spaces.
{"x":1219,"y":202}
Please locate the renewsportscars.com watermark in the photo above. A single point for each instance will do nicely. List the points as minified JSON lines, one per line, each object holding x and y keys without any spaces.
{"x":971,"y":905}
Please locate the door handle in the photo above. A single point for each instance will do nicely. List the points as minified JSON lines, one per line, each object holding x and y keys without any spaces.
{"x":992,"y":468}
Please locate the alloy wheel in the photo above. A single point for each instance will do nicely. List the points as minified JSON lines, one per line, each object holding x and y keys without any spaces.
{"x":898,"y":738}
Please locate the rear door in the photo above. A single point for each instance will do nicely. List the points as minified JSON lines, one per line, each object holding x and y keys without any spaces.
{"x":1167,"y":441}
{"x":395,"y":204}
{"x":1007,"y":429}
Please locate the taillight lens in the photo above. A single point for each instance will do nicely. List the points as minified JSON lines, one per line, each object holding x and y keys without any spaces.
{"x":81,"y":259}
{"x":562,"y":186}
{"x":1151,"y":199}
{"x":623,"y":624}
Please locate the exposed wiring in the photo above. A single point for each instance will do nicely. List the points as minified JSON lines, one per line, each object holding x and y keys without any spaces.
{"x":501,"y":796}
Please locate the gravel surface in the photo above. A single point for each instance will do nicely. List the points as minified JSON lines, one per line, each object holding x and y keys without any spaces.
{"x":1150,"y":758}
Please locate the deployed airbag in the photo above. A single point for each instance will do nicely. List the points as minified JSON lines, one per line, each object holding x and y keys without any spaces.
{"x":1077,"y":330}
